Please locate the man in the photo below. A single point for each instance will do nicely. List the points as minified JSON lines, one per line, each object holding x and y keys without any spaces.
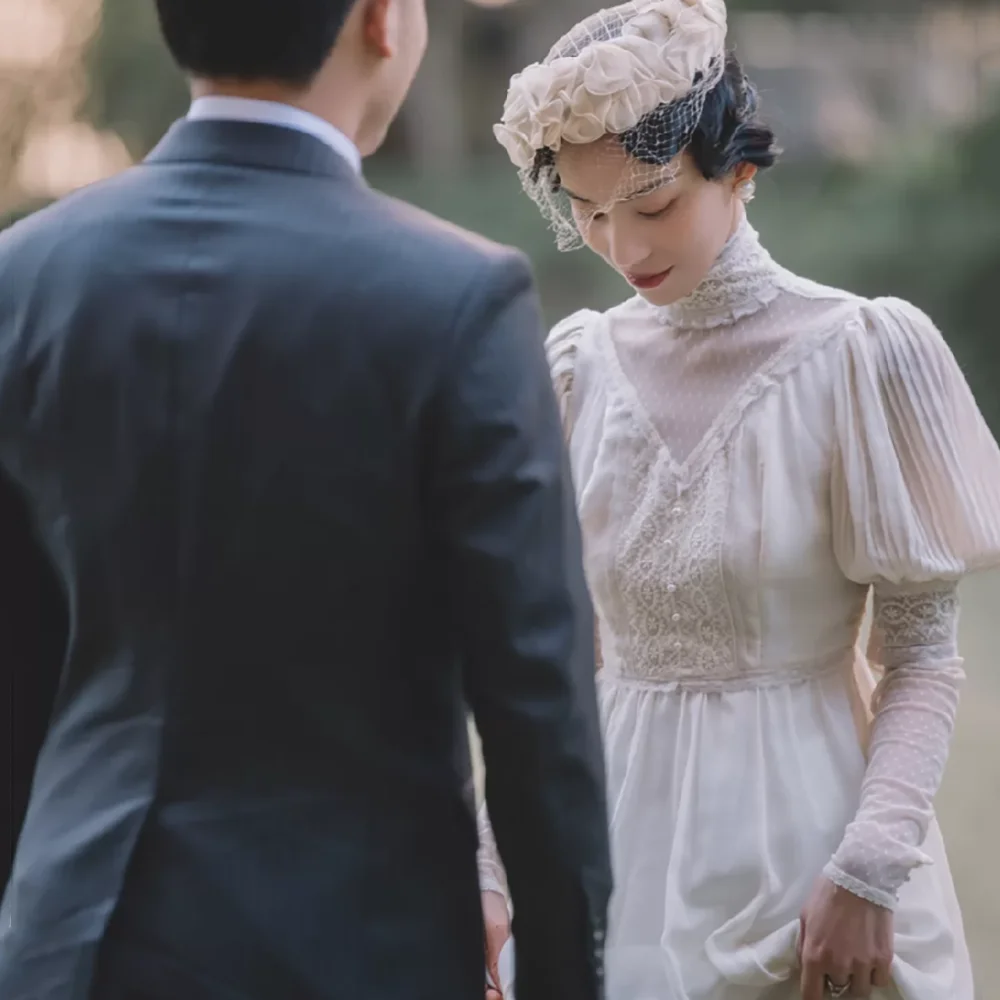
{"x":294,"y":451}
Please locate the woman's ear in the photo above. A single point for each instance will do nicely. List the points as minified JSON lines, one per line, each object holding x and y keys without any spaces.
{"x":744,"y":187}
{"x":744,"y":174}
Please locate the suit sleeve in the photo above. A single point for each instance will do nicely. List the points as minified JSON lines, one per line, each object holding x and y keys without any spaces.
{"x":518,"y":595}
{"x":33,"y":632}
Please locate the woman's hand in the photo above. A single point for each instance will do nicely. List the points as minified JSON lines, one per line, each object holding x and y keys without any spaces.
{"x":844,"y":938}
{"x":496,"y":920}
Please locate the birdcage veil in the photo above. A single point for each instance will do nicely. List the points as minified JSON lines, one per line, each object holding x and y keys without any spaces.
{"x":638,"y":73}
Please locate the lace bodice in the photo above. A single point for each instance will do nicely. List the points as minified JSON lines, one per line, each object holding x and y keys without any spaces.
{"x":749,"y":463}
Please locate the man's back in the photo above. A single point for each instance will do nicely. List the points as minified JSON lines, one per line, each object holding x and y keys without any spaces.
{"x":233,"y":388}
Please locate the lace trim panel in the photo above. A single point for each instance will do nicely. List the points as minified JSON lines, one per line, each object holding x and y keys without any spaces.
{"x":925,"y":617}
{"x":858,"y":888}
{"x":668,"y":571}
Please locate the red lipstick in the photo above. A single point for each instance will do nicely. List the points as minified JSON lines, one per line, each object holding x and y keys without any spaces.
{"x":647,"y":281}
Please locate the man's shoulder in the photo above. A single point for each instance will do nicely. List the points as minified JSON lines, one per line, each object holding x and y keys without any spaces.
{"x":50,"y":225}
{"x":422,"y":224}
{"x":428,"y":241}
{"x":442,"y":283}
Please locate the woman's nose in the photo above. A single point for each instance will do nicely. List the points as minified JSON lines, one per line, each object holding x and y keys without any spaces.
{"x":626,"y":251}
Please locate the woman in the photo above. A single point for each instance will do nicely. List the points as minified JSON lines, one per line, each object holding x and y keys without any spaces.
{"x":754,"y":456}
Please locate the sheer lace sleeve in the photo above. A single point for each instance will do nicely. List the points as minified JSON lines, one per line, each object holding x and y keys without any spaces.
{"x":916,"y":499}
{"x":492,"y":877}
{"x":561,"y":347}
{"x":914,"y":716}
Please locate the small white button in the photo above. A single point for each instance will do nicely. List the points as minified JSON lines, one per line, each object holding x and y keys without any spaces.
{"x":677,"y":511}
{"x":669,"y":542}
{"x":671,"y":588}
{"x":676,"y":617}
{"x":678,"y":645}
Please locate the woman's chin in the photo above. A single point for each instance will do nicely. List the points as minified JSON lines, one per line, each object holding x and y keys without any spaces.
{"x":663,"y":295}
{"x":672,"y":289}
{"x":656,"y":300}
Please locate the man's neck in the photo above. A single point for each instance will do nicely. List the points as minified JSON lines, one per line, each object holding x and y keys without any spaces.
{"x":251,"y":90}
{"x":277,"y":93}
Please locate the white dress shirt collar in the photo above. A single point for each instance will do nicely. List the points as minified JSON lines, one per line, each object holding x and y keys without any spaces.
{"x":245,"y":109}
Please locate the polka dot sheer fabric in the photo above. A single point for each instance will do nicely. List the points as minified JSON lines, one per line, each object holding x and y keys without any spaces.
{"x":637,"y":75}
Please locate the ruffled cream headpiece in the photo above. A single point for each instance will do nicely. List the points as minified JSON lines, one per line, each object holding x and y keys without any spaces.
{"x":604,"y":77}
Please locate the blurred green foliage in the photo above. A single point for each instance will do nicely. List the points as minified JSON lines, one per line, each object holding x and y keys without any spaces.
{"x":922,"y":224}
{"x":135,"y":89}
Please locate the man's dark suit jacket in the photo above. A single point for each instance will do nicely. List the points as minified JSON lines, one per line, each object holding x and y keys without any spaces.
{"x":292,"y":449}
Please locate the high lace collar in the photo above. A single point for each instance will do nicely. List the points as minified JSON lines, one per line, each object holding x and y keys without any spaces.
{"x":743,"y":280}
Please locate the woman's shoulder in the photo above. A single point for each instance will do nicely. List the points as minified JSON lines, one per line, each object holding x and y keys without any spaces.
{"x":576,"y":330}
{"x":563,"y":341}
{"x":880,"y":327}
{"x":570,"y":329}
{"x":888,"y":335}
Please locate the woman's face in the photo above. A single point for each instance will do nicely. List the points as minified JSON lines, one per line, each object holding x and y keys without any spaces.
{"x":662,"y":235}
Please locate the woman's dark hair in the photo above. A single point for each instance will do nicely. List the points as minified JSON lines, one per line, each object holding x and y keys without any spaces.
{"x":286,"y":42}
{"x":728,"y":132}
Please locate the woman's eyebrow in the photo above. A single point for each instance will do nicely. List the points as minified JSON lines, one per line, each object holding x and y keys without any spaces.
{"x":640,"y":193}
{"x":643,"y":191}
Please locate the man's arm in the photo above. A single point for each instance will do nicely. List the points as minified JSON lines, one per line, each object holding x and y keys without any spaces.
{"x":33,"y":634}
{"x":505,"y":504}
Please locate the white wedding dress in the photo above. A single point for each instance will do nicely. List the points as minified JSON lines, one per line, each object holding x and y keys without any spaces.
{"x":751,"y":464}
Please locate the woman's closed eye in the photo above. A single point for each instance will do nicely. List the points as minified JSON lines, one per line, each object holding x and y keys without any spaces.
{"x":659,"y":212}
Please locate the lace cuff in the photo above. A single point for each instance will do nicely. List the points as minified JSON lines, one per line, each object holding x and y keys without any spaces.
{"x":913,"y":618}
{"x":492,"y":877}
{"x":915,"y":632}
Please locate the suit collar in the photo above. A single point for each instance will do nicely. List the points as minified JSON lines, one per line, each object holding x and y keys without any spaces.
{"x":250,"y":144}
{"x":226,"y":108}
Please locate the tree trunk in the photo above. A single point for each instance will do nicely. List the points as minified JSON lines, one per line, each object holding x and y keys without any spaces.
{"x":434,"y":116}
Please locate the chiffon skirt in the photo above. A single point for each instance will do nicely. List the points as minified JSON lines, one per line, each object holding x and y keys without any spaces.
{"x":724,"y":809}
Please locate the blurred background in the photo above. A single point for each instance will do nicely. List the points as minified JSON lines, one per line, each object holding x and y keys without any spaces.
{"x":889,"y":114}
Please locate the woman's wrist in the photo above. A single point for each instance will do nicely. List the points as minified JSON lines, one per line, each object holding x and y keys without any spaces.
{"x":496,"y":897}
{"x":858,"y":887}
{"x":490,"y":883}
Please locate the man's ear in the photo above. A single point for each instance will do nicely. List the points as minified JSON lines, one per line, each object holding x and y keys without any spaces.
{"x":378,"y":27}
